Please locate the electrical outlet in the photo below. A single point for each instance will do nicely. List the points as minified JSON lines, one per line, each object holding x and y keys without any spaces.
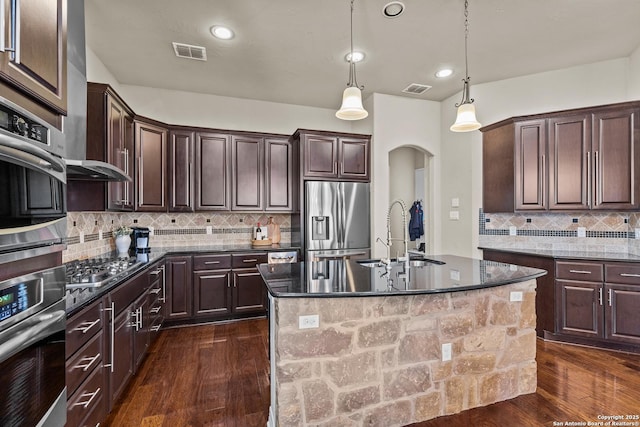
{"x":515,"y":296}
{"x":513,"y":231}
{"x":152,"y":231}
{"x":81,"y":236}
{"x":582,"y":232}
{"x":454,"y":215}
{"x":309,"y":322}
{"x":455,"y":275}
{"x":446,"y":352}
{"x":455,"y":202}
{"x":100,"y":235}
{"x":209,"y":229}
{"x":637,"y":233}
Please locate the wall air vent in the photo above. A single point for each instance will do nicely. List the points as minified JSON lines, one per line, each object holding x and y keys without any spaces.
{"x":190,"y":51}
{"x":416,"y":89}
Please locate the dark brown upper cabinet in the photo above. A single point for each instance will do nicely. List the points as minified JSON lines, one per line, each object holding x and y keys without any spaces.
{"x":278,"y":175}
{"x":35,"y":58}
{"x":330,"y":155}
{"x":213,"y":175}
{"x":571,"y":160}
{"x":121,"y":153}
{"x":181,"y":174}
{"x":247,"y":172}
{"x":151,"y":176}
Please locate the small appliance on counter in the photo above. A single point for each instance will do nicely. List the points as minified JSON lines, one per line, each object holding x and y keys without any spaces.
{"x":139,"y":241}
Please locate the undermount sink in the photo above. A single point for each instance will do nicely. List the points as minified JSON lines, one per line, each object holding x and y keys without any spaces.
{"x":374,"y":263}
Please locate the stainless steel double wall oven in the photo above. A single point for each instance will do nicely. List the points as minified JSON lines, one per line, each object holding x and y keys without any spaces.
{"x":32,"y":277}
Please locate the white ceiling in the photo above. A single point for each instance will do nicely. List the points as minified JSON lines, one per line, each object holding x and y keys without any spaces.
{"x":292,"y":51}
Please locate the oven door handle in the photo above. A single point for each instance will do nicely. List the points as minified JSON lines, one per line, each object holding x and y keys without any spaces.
{"x":23,"y":153}
{"x":32,"y":330}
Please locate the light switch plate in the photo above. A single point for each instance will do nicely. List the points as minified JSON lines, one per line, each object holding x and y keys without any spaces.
{"x":309,"y":322}
{"x":455,"y":202}
{"x":582,"y":232}
{"x":454,"y":215}
{"x":454,"y":274}
{"x":513,"y":231}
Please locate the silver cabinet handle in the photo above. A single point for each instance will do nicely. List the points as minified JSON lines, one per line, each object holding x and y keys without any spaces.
{"x":155,"y":310}
{"x":86,"y":326}
{"x":155,"y":291}
{"x":598,"y":184}
{"x":589,"y":180}
{"x":600,"y":296}
{"x":112,"y":309}
{"x":215,"y":262}
{"x":164,"y":289}
{"x":629,"y":275}
{"x":86,"y":403}
{"x":155,"y":273}
{"x":610,"y":297}
{"x":250,"y":260}
{"x":89,"y":361}
{"x":544,"y":180}
{"x":580,"y":271}
{"x":155,"y":328}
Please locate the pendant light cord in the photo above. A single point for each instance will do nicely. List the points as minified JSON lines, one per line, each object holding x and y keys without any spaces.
{"x":353,"y":80}
{"x":465,"y":87}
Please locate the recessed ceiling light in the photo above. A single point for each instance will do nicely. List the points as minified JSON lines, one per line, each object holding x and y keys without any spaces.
{"x":393,"y":9}
{"x":445,"y":72}
{"x":221,"y":32}
{"x":357,"y":56}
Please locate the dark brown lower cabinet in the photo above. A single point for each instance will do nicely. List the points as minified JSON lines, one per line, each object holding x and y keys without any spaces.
{"x":622,"y":313}
{"x":140,"y":325}
{"x":249,"y":292}
{"x":212,"y":293}
{"x":179,"y":304}
{"x":579,"y":308}
{"x":122,"y":361}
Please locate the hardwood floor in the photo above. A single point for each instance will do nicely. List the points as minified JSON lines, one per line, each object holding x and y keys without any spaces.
{"x":218,"y":375}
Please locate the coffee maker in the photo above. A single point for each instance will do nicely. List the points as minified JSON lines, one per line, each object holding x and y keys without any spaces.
{"x":139,"y":241}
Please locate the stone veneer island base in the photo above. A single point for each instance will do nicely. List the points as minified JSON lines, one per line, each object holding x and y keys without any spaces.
{"x":377,"y":360}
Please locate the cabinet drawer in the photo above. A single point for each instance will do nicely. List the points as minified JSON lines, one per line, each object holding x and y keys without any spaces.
{"x":84,"y":362}
{"x":128,"y":292}
{"x":585,"y":271}
{"x":248,"y":260}
{"x":622,"y":273}
{"x":82,"y":326}
{"x":211,"y":262}
{"x":89,"y":397}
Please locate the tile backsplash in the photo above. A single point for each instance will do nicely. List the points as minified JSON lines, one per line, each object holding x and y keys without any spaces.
{"x":89,"y":233}
{"x":603,"y":231}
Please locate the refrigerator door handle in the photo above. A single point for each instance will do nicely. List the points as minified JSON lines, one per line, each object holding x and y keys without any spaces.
{"x":339,"y":255}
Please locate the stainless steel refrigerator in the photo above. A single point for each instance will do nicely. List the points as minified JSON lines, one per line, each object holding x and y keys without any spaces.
{"x":337,"y":220}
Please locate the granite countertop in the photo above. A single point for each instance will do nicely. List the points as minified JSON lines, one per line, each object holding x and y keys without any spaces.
{"x":569,"y":254}
{"x":76,"y":299}
{"x":339,"y":278}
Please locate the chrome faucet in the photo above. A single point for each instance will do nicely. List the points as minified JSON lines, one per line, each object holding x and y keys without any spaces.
{"x":405,"y":239}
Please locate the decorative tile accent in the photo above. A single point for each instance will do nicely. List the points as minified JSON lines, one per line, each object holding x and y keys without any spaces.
{"x":605,"y":231}
{"x":170,"y":229}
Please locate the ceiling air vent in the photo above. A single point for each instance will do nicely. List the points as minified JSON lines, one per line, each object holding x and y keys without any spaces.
{"x":416,"y":89}
{"x":190,"y":51}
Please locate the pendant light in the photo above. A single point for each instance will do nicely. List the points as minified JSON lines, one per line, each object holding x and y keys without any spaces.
{"x":351,"y":108}
{"x":466,"y":118}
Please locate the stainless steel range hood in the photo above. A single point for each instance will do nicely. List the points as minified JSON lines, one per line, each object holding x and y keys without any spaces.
{"x":75,"y":124}
{"x":94,"y":170}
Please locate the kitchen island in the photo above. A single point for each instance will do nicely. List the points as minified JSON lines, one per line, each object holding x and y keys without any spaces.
{"x":358,"y":344}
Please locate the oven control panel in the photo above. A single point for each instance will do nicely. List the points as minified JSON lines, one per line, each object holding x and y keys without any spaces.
{"x":14,"y":122}
{"x":19,"y":298}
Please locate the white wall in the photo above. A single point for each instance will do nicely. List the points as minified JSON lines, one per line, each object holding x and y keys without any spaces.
{"x":401,"y":121}
{"x":634,"y":75}
{"x":593,"y":84}
{"x":97,"y":72}
{"x":401,"y":186}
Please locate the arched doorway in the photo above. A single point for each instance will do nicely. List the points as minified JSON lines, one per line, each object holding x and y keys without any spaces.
{"x":410,"y":179}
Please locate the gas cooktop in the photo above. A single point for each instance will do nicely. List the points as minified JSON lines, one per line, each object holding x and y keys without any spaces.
{"x":96,"y":272}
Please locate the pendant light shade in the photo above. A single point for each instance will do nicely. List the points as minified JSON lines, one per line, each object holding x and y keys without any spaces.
{"x":466,"y":118}
{"x":351,"y":108}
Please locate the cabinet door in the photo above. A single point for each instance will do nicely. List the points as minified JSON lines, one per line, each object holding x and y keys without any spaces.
{"x":213,"y":176}
{"x":279,"y":175}
{"x":320,"y":155}
{"x":354,"y":159}
{"x":616,"y":160}
{"x":38,"y":35}
{"x":579,"y":308}
{"x":122,"y":369}
{"x":622,"y":316}
{"x":569,"y":159}
{"x":128,"y":147}
{"x":116,"y":154}
{"x":249,"y":292}
{"x":247,"y":173}
{"x":151,"y":149}
{"x":212,"y":293}
{"x":140,"y":321}
{"x":179,"y":291}
{"x":181,"y":187}
{"x":530,"y":167}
